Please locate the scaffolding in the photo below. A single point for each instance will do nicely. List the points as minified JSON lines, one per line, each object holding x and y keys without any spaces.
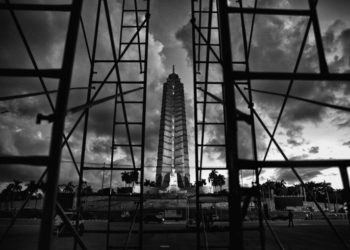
{"x":220,"y":82}
{"x":215,"y":24}
{"x":129,"y":96}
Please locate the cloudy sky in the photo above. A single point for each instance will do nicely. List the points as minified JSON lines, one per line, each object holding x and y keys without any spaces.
{"x":306,"y":131}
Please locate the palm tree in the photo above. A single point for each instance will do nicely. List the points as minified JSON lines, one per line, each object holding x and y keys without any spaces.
{"x":126,"y":177}
{"x":32,"y":189}
{"x":69,"y":187}
{"x":266,"y":188}
{"x":216,"y":179}
{"x":201,"y":183}
{"x":146,"y":182}
{"x":212,"y":178}
{"x":134,"y":176}
{"x":220,"y":181}
{"x":280,"y":187}
{"x":325,"y":190}
{"x":7,"y":193}
{"x":87,"y":189}
{"x":16,"y":188}
{"x":293,"y":190}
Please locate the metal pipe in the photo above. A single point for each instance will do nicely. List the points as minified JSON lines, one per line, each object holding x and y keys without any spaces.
{"x":13,"y":97}
{"x":36,"y":7}
{"x":58,"y":128}
{"x":235,"y":234}
{"x":304,"y":100}
{"x":194,"y":68}
{"x":206,"y":76}
{"x":241,"y":75}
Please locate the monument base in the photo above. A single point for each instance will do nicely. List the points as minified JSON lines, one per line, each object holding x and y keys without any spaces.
{"x":172,"y":191}
{"x":173,"y":188}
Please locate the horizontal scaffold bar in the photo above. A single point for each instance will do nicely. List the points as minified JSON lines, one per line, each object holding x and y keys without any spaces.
{"x":296,"y":164}
{"x":25,"y":160}
{"x":36,"y":7}
{"x":241,"y":75}
{"x":50,"y":73}
{"x":268,"y":11}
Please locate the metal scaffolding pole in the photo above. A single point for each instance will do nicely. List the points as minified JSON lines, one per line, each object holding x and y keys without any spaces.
{"x":58,"y":129}
{"x":207,"y":53}
{"x":234,"y":78}
{"x":235,"y":217}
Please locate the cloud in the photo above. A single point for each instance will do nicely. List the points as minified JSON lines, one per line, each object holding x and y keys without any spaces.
{"x":184,"y":35}
{"x":305,"y":174}
{"x":46,"y":36}
{"x":314,"y":150}
{"x":275,"y":46}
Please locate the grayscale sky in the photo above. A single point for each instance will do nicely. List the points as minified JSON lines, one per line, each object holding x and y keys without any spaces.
{"x":306,"y":131}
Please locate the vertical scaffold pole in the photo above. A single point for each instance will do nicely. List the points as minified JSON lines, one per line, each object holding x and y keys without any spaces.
{"x":236,"y":235}
{"x":58,"y":128}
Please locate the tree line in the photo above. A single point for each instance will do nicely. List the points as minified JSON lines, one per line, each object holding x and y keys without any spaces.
{"x":322,"y":191}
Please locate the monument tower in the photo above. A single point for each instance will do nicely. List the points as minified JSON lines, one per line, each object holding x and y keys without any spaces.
{"x":172,"y":164}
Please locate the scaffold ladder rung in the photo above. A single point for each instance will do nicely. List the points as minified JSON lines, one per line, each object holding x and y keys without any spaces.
{"x":27,"y":160}
{"x":36,"y":7}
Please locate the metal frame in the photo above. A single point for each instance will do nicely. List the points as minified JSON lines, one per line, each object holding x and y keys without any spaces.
{"x":206,"y":54}
{"x":52,"y":161}
{"x":232,"y":81}
{"x":119,"y":101}
{"x":60,"y":110}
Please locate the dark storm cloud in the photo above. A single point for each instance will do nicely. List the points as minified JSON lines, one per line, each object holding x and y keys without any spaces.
{"x":346,"y":143}
{"x":45,"y":32}
{"x":305,"y":174}
{"x":314,"y":150}
{"x":169,"y":15}
{"x":99,"y":145}
{"x":20,"y":141}
{"x":19,"y":172}
{"x":184,"y":35}
{"x":274,"y":48}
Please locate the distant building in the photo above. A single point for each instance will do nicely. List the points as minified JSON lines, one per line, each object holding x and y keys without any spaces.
{"x":172,"y":164}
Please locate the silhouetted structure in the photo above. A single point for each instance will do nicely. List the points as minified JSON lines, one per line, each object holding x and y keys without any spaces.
{"x":173,"y":148}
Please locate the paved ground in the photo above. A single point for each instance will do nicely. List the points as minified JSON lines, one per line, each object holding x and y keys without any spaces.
{"x":305,"y":235}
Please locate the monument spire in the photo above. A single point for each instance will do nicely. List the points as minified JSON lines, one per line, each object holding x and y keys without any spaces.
{"x":172,"y":164}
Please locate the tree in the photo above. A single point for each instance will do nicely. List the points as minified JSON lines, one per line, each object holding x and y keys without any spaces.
{"x":216,"y":179}
{"x":130,"y":177}
{"x":293,"y":190}
{"x":325,"y":190}
{"x":266,"y":188}
{"x":13,"y":189}
{"x":201,"y":183}
{"x":126,"y":178}
{"x":7,"y":194}
{"x":280,"y":187}
{"x":147,"y":183}
{"x":86,"y":189}
{"x":220,"y":181}
{"x":320,"y":190}
{"x":17,"y":185}
{"x":69,"y":187}
{"x":106,"y":191}
{"x":213,"y":174}
{"x":32,"y":189}
{"x":134,"y":176}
